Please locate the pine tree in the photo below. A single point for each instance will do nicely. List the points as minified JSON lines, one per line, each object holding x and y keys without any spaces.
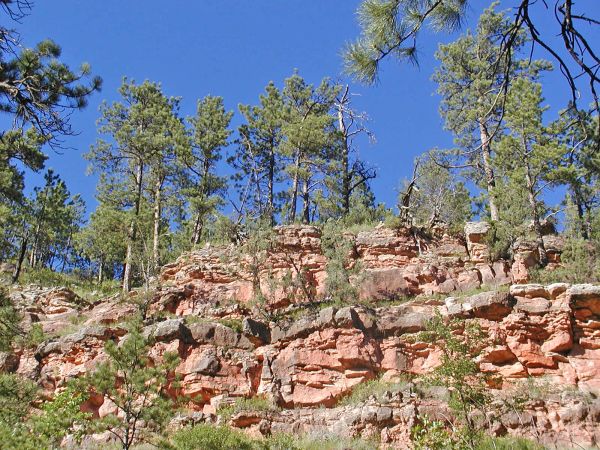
{"x":136,"y":385}
{"x":391,"y":28}
{"x":472,"y":79}
{"x":143,"y":129}
{"x":101,"y":240}
{"x":54,"y":218}
{"x":309,"y":139}
{"x":439,"y":198}
{"x":209,"y":136}
{"x":526,"y":153}
{"x":579,"y":166}
{"x":258,"y":159}
{"x":353,"y":173}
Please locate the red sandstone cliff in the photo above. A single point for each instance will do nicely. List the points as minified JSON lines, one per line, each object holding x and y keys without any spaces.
{"x":316,"y":358}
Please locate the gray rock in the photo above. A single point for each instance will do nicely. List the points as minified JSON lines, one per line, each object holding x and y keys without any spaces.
{"x":491,"y":305}
{"x":384,"y":414}
{"x":369,"y":413}
{"x":92,"y":331}
{"x":167,"y":330}
{"x":202,"y":332}
{"x":9,"y":362}
{"x":476,"y":228}
{"x":326,"y":316}
{"x":347,"y":317}
{"x":225,"y":336}
{"x":256,"y":331}
{"x":537,"y":305}
{"x":529,"y":290}
{"x":397,"y":321}
{"x":583,"y":291}
{"x":209,"y":365}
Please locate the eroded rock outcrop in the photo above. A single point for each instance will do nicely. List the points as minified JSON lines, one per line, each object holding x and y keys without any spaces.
{"x":317,"y":355}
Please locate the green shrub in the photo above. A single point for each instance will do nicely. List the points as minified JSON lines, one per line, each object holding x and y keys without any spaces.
{"x":234,"y":324}
{"x":85,"y":288}
{"x":209,"y":437}
{"x":35,"y":336}
{"x":507,"y":443}
{"x":579,"y":264}
{"x":432,"y":434}
{"x":377,"y":388}
{"x":9,"y":322}
{"x":16,"y":395}
{"x":242,"y":404}
{"x":344,"y":274}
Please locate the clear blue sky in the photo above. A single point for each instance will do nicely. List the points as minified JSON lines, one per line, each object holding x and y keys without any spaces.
{"x":233,"y":49}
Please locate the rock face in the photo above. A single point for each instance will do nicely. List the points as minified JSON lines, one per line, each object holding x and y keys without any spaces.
{"x":395,"y":263}
{"x":316,"y":359}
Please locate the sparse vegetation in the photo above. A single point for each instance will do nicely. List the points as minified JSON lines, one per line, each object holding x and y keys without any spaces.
{"x":137,"y":387}
{"x":243,"y":404}
{"x":211,"y":437}
{"x":264,"y":202}
{"x":374,"y":388}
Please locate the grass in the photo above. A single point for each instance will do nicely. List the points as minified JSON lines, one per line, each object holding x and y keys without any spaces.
{"x":85,"y":288}
{"x":210,"y":437}
{"x":372,"y":388}
{"x":318,"y":442}
{"x":507,"y":443}
{"x":234,"y":324}
{"x":242,"y":404}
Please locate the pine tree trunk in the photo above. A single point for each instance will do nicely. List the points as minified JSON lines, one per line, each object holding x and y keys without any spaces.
{"x":19,"y":265}
{"x":271,"y":187}
{"x":64,"y":257}
{"x":295,"y":183}
{"x":537,"y":226}
{"x":33,"y":256}
{"x":197,"y":229}
{"x":584,"y":219}
{"x":345,"y":163}
{"x":156,"y":231}
{"x":100,"y":271}
{"x":489,"y":171}
{"x":132,"y":233}
{"x":305,"y":201}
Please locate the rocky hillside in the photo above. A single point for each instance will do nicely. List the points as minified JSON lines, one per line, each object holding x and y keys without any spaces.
{"x":310,"y":360}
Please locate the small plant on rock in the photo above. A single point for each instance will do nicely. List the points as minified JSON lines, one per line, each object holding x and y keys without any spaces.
{"x":137,"y":387}
{"x":253,"y":404}
{"x":344,"y":273}
{"x":460,"y":342}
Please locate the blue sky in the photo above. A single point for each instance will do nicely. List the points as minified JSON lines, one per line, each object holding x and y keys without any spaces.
{"x":233,"y":49}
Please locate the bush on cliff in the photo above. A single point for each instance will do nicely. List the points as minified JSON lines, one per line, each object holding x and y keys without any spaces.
{"x":209,"y":437}
{"x":136,"y":385}
{"x":344,"y":273}
{"x":460,"y":342}
{"x":44,"y":428}
{"x":242,"y":404}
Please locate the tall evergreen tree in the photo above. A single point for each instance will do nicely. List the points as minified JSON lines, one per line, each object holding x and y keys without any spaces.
{"x":258,"y":158}
{"x":579,"y":167}
{"x":54,"y":219}
{"x":142,"y":129}
{"x":353,"y":173}
{"x":37,"y":92}
{"x":309,"y":138}
{"x":209,"y":136}
{"x":101,"y":240}
{"x":526,"y":153}
{"x":473,"y":75}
